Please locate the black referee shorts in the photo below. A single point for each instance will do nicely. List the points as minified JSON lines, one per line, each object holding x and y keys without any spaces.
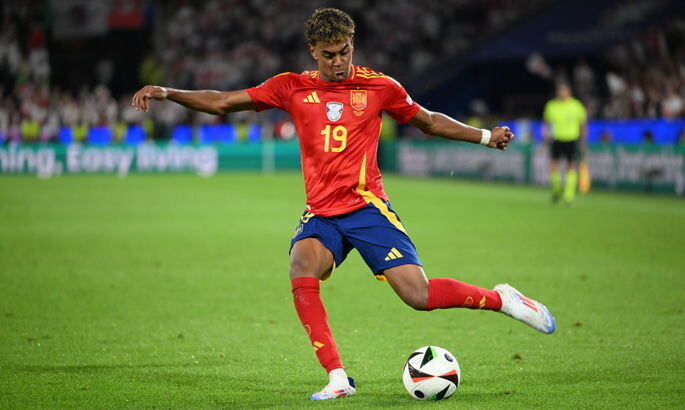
{"x":565,"y":149}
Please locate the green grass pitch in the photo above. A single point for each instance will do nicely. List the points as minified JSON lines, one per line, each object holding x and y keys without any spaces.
{"x":173,"y":292}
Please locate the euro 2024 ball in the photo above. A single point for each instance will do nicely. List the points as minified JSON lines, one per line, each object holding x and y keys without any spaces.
{"x":431,"y":373}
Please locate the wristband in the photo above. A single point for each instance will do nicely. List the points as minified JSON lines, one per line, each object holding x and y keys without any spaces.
{"x":485,"y":137}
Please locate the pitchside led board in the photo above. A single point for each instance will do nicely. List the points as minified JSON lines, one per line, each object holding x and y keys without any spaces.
{"x":624,"y":162}
{"x":47,"y":160}
{"x":649,"y":168}
{"x":636,"y":168}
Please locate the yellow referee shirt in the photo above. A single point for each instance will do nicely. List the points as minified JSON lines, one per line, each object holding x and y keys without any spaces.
{"x":565,"y":118}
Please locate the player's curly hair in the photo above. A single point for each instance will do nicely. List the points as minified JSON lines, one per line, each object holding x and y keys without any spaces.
{"x":328,"y":25}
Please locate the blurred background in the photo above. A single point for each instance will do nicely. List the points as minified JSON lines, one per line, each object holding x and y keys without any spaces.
{"x":68,"y":69}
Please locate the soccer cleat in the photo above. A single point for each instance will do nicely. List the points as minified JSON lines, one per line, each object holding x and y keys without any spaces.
{"x":528,"y":311}
{"x":335,"y":392}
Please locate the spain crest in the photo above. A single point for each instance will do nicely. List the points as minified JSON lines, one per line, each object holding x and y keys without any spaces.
{"x":358,"y":99}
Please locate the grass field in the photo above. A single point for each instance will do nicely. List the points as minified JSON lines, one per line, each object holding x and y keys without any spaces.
{"x":172,"y":292}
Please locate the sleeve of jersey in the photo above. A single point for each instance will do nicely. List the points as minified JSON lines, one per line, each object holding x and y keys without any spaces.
{"x":546,"y":112}
{"x":272,"y":93}
{"x":398,"y":103}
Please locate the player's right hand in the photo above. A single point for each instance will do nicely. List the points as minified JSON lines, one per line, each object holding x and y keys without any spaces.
{"x":141,"y":99}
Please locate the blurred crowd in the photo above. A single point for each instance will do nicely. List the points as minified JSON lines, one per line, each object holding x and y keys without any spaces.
{"x":224,"y":45}
{"x":642,"y":78}
{"x":231,"y":45}
{"x":217,"y":45}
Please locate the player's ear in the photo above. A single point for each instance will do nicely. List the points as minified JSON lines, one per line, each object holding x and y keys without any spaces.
{"x":312,"y":51}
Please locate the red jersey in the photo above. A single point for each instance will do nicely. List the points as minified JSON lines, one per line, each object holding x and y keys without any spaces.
{"x":338,"y":125}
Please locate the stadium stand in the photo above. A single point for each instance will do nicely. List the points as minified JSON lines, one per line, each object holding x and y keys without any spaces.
{"x":213,"y":44}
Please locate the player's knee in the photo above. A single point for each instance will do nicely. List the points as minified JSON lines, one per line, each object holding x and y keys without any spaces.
{"x":300,"y":267}
{"x":410,"y":284}
{"x":417,"y":299}
{"x":415,"y":304}
{"x":309,"y":267}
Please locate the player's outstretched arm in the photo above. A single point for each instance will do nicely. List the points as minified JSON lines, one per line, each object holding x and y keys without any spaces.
{"x":209,"y":101}
{"x":441,"y":125}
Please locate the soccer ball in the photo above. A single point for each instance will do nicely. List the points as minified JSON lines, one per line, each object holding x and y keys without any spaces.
{"x":431,"y":373}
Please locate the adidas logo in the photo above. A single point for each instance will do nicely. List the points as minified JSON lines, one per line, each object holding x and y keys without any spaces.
{"x":312,"y":98}
{"x":393,"y":254}
{"x":529,"y":303}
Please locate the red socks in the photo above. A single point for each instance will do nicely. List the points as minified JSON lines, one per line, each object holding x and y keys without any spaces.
{"x":443,"y":293}
{"x":449,"y":293}
{"x":313,"y":316}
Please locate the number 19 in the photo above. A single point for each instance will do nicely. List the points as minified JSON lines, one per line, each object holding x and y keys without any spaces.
{"x":339,"y":133}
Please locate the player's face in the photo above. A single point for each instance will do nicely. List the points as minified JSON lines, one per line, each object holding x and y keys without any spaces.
{"x":334,"y":59}
{"x":563,"y":92}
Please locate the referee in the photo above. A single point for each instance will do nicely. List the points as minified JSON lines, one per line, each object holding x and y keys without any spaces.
{"x":565,"y":124}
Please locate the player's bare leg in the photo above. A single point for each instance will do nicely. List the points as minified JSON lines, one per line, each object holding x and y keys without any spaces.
{"x":412,"y":286}
{"x":309,"y":258}
{"x":410,"y":283}
{"x":311,"y":262}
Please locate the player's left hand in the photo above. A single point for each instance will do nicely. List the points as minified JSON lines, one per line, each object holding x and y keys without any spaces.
{"x":500,"y":137}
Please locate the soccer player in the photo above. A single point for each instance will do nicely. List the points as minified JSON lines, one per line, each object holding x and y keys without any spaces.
{"x":337,"y":113}
{"x":565,"y":121}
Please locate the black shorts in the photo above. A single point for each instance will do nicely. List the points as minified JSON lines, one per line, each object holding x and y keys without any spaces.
{"x":565,"y":149}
